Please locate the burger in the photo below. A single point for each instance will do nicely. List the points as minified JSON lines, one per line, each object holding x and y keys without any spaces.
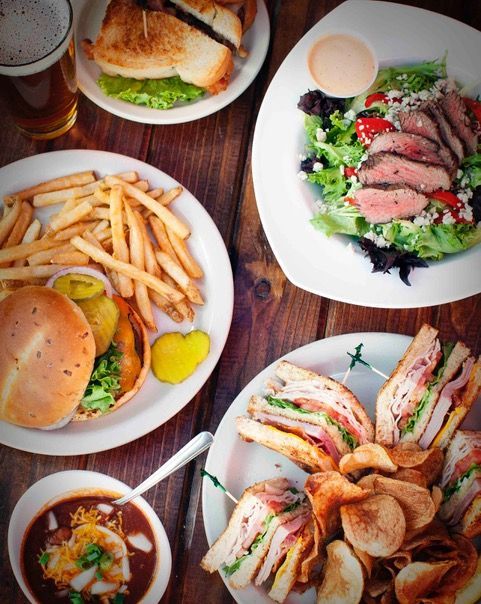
{"x":52,"y":370}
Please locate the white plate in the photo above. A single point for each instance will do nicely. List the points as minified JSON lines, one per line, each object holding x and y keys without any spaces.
{"x":63,"y":485}
{"x":89,"y":15}
{"x":398,"y":34}
{"x":238,"y":464}
{"x":156,"y":402}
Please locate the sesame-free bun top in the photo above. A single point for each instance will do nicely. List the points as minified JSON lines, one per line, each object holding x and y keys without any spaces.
{"x":47,"y":352}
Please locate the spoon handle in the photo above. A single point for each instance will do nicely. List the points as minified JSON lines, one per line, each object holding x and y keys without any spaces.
{"x":192,"y":449}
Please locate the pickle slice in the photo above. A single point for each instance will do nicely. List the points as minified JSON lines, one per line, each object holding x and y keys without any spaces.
{"x":103,"y":315}
{"x":175,"y":356}
{"x":79,"y":287}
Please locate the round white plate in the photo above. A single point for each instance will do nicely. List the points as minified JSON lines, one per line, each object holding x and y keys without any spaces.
{"x":156,"y":402}
{"x":328,"y":267}
{"x":63,"y":485}
{"x":89,"y":15}
{"x":238,"y":464}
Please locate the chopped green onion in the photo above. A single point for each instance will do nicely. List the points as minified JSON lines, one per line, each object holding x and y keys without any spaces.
{"x":44,"y":558}
{"x":76,"y":597}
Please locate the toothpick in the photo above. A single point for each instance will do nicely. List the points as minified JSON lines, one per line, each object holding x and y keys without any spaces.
{"x":217,"y":484}
{"x":144,"y":17}
{"x":357,"y":358}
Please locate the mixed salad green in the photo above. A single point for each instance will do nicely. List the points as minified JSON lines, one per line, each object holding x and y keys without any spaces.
{"x":336,"y":148}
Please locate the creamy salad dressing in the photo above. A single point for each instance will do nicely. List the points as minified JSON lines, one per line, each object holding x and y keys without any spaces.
{"x":342,"y":65}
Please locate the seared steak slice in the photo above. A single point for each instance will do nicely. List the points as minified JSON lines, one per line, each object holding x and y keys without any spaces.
{"x":382,"y":205}
{"x":412,"y":146}
{"x":455,"y":110}
{"x":424,"y":124}
{"x":388,"y":169}
{"x":447,"y":131}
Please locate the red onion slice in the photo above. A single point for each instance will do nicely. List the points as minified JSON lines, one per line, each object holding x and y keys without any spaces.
{"x":82,"y":270}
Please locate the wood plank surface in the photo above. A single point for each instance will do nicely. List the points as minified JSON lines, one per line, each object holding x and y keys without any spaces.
{"x":211,"y":157}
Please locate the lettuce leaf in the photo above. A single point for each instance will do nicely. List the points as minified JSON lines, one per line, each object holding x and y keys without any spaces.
{"x":454,"y":488}
{"x":104,"y":382}
{"x":156,"y":94}
{"x":340,"y":218}
{"x":473,"y":169}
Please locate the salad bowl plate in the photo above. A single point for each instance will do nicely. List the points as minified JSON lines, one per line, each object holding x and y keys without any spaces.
{"x":334,"y":267}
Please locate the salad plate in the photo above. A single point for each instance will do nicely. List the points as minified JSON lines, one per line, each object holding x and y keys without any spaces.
{"x":238,"y":464}
{"x":335,"y":267}
{"x":89,"y":15}
{"x":156,"y":402}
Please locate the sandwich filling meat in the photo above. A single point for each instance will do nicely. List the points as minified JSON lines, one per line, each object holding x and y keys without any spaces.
{"x":461,"y":483}
{"x":312,"y":419}
{"x":429,"y":393}
{"x":160,"y":57}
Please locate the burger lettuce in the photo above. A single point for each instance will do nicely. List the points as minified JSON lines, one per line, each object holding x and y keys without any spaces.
{"x":104,"y":382}
{"x":155,"y":94}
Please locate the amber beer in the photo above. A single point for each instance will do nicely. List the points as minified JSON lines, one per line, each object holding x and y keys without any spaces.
{"x":37,"y":65}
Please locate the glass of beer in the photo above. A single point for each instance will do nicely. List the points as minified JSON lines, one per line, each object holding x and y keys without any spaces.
{"x":37,"y":65}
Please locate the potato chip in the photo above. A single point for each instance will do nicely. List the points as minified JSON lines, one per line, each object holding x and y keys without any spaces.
{"x":410,"y":475}
{"x":366,"y":559}
{"x":435,"y":533}
{"x":375,"y":525}
{"x":415,"y":501}
{"x":410,"y":455}
{"x":459,"y":575}
{"x":327,"y":491}
{"x":313,"y":556}
{"x":437,"y":497}
{"x":343,"y":581}
{"x":419,"y":579}
{"x":367,"y":482}
{"x":398,"y":560}
{"x":377,"y":587}
{"x":471,"y":592}
{"x":440,"y":599}
{"x":369,"y":455}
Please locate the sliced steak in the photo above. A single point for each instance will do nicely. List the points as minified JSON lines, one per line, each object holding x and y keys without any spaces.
{"x":455,"y":110}
{"x":447,"y":131}
{"x":389,"y":169}
{"x":412,"y":146}
{"x":423,"y":123}
{"x":382,"y":205}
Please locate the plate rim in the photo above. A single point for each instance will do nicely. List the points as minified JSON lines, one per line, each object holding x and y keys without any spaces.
{"x":419,"y":295}
{"x":161,"y":117}
{"x":228,"y":300}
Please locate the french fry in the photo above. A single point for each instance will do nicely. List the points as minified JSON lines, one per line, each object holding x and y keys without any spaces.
{"x":104,"y":235}
{"x":27,"y":273}
{"x":72,"y":216}
{"x":31,"y":234}
{"x":185,"y":257}
{"x":20,"y":227}
{"x":151,"y":263}
{"x":71,"y":259}
{"x":100,"y":214}
{"x":8,"y":202}
{"x":183,"y":307}
{"x":137,"y":257}
{"x":24,"y":250}
{"x":169,"y":196}
{"x":160,"y":234}
{"x":166,"y":307}
{"x":127,"y":269}
{"x":102,"y":225}
{"x":76,"y":229}
{"x":72,"y":180}
{"x":8,"y":222}
{"x":142,"y":185}
{"x":178,"y":274}
{"x":158,"y":209}
{"x":119,"y":244}
{"x":155,"y":193}
{"x":45,"y":256}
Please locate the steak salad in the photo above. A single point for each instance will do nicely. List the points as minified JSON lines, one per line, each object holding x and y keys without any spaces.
{"x":399,"y":166}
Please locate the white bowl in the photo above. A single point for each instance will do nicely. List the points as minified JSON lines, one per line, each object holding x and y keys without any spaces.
{"x":63,"y":485}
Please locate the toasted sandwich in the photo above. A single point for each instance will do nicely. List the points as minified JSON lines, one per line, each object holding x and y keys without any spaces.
{"x":264,"y":526}
{"x":312,"y":419}
{"x":177,"y":42}
{"x":429,"y":393}
{"x":461,"y":483}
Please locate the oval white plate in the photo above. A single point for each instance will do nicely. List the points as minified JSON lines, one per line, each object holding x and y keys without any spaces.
{"x":89,"y":15}
{"x":238,"y":464}
{"x":63,"y":485}
{"x":310,"y":260}
{"x":156,"y":402}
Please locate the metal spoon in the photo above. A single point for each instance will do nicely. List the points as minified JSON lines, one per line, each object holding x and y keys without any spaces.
{"x":192,"y":449}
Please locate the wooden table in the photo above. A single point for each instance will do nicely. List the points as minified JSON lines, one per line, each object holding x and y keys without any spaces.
{"x":211,"y":157}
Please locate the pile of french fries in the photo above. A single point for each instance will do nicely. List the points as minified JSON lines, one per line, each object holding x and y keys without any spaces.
{"x":117,"y":224}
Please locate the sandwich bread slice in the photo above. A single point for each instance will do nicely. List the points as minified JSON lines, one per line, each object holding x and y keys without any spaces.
{"x":269,"y":512}
{"x":428,"y":394}
{"x":461,"y":483}
{"x":312,"y":419}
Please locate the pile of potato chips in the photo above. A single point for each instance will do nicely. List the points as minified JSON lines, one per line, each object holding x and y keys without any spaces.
{"x":390,"y":545}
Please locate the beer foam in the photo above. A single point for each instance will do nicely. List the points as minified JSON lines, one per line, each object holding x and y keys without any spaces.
{"x":33,"y":34}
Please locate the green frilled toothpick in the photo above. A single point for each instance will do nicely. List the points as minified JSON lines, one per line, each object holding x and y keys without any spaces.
{"x":217,"y":483}
{"x":357,"y":358}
